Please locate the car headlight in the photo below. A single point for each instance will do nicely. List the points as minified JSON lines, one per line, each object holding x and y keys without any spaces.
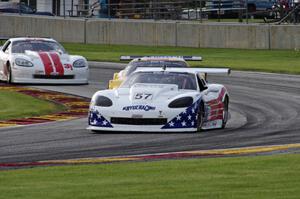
{"x":103,"y":101}
{"x":23,"y":62}
{"x":181,"y":102}
{"x":80,"y":63}
{"x":92,"y":104}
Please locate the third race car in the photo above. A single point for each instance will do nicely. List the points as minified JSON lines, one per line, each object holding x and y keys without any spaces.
{"x":40,"y":60}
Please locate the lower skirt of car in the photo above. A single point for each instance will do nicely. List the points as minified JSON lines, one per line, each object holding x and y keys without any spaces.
{"x":53,"y":76}
{"x":139,"y":121}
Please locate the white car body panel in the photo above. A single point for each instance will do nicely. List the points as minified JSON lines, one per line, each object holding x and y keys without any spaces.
{"x":129,"y":109}
{"x":48,"y":67}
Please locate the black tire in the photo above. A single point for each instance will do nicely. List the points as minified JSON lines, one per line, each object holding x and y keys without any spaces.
{"x":225,"y":112}
{"x":9,"y":75}
{"x":200,"y":119}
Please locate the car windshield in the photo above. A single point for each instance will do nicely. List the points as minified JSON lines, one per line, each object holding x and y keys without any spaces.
{"x":183,"y":80}
{"x":36,"y":45}
{"x":174,"y":64}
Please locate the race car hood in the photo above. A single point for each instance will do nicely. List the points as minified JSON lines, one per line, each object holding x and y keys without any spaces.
{"x":159,"y":95}
{"x":50,"y":63}
{"x":152,"y":92}
{"x":37,"y":55}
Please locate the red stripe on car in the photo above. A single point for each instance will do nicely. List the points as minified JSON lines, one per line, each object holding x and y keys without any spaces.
{"x":216,"y":112}
{"x":47,"y":63}
{"x":215,"y":117}
{"x":217,"y":106}
{"x":57,"y":63}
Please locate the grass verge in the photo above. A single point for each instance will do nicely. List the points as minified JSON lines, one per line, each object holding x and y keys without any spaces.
{"x":16,"y":105}
{"x":278,"y":61}
{"x":244,"y":177}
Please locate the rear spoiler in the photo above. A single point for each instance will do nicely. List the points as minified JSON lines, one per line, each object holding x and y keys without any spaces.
{"x":186,"y":58}
{"x":203,"y":71}
{"x":213,"y":70}
{"x":189,"y":70}
{"x":206,"y":71}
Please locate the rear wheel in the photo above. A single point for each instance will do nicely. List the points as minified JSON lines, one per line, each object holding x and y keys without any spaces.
{"x":225,"y":112}
{"x":200,"y":118}
{"x":9,"y":75}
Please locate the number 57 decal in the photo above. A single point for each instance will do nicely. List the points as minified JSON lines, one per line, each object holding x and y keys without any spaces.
{"x":143,"y":96}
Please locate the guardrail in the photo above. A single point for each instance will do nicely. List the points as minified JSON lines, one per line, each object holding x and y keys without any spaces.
{"x":194,"y":10}
{"x":171,"y":9}
{"x":280,"y":11}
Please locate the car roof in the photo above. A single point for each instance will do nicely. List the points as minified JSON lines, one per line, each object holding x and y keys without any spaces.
{"x":30,"y":39}
{"x":150,"y":70}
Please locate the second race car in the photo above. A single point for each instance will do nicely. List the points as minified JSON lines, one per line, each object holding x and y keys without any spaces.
{"x":149,"y":61}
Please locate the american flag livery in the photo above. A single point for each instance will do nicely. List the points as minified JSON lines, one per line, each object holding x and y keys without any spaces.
{"x":96,"y":119}
{"x":186,"y":119}
{"x":215,"y":108}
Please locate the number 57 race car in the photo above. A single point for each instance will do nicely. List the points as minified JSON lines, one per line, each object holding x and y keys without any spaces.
{"x":161,"y":100}
{"x":40,"y":60}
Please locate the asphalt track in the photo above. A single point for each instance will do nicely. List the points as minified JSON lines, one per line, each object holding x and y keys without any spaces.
{"x":264,"y":110}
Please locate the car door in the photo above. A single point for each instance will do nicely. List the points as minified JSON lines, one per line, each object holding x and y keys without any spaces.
{"x":4,"y":56}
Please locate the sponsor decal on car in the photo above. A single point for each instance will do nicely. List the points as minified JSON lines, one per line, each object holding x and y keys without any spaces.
{"x":39,"y":72}
{"x":68,"y":66}
{"x":139,"y":107}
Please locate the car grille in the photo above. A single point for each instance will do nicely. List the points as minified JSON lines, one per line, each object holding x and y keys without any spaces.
{"x":139,"y":121}
{"x":53,"y":76}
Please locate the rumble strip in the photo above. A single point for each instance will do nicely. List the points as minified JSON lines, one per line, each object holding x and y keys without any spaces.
{"x":245,"y":151}
{"x":76,"y":107}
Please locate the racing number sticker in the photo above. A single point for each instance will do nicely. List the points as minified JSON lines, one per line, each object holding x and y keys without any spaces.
{"x":143,"y":96}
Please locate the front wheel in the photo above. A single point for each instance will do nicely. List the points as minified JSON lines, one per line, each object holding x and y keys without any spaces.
{"x":9,"y":74}
{"x":225,"y":112}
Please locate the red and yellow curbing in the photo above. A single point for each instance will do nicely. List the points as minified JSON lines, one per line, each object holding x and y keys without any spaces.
{"x":77,"y":107}
{"x":160,"y":156}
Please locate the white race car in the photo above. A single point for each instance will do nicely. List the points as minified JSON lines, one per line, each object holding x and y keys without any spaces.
{"x":40,"y":60}
{"x":161,"y":100}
